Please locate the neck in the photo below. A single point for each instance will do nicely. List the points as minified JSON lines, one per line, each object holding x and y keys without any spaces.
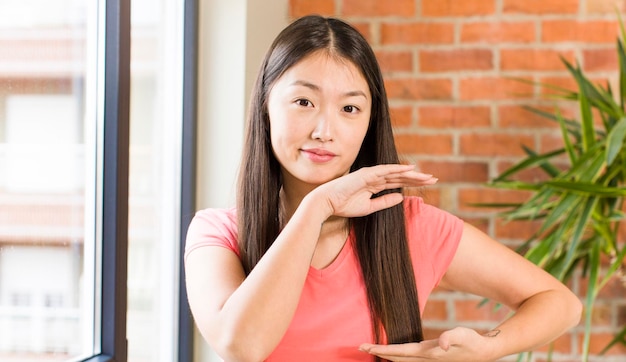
{"x":290,"y":200}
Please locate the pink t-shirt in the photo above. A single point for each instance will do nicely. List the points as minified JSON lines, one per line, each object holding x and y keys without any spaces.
{"x":332,"y":318}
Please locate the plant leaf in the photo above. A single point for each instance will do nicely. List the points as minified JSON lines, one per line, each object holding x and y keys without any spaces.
{"x":615,"y":141}
{"x":588,"y":188}
{"x":588,"y":131}
{"x":528,"y":162}
{"x":592,"y":292}
{"x":580,"y":225}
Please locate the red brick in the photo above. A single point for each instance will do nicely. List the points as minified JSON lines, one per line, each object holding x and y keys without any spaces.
{"x":470,"y":310}
{"x":534,"y":59}
{"x":621,"y":232}
{"x":453,"y":171}
{"x":565,"y":82}
{"x":540,"y":7}
{"x":298,"y":8}
{"x":431,"y":195}
{"x":600,"y":340}
{"x":498,"y":32}
{"x":516,"y":116}
{"x":481,"y":224}
{"x":515,"y":230}
{"x":493,"y":88}
{"x":494,"y":144}
{"x":454,"y":116}
{"x":401,"y":116}
{"x":604,"y":6}
{"x":439,"y":8}
{"x":378,"y":8}
{"x":395,"y":61}
{"x":562,"y":345}
{"x":621,"y":313}
{"x":455,"y":60}
{"x":419,"y":89}
{"x":600,"y":60}
{"x":432,"y":333}
{"x":551,"y":142}
{"x":424,"y":144}
{"x":596,"y":31}
{"x":602,"y":314}
{"x":417,"y":33}
{"x":435,"y":310}
{"x":613,"y":289}
{"x":365,"y":29}
{"x":483,"y":195}
{"x":534,"y":174}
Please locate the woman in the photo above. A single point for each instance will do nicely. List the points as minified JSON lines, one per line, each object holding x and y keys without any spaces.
{"x":323,"y":259}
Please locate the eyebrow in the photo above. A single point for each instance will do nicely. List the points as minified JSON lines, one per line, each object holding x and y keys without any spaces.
{"x":304,"y":83}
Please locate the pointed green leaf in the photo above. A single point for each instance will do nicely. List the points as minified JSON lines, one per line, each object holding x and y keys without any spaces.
{"x":592,"y":292}
{"x":588,"y":131}
{"x":579,"y":228}
{"x":571,"y":152}
{"x":528,"y":162}
{"x":588,"y":188}
{"x":615,"y":141}
{"x":566,"y":203}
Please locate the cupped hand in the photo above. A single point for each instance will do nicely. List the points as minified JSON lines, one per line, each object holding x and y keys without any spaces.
{"x":351,"y":195}
{"x":458,"y":344}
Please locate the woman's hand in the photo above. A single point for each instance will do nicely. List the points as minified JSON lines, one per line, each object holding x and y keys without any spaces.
{"x":458,"y":344}
{"x":351,"y":195}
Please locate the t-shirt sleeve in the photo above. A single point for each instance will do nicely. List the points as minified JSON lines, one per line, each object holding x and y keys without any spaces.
{"x":212,"y":227}
{"x":433,"y":236}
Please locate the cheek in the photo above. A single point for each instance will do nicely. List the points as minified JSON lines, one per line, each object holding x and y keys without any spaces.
{"x":358,"y":134}
{"x":285,"y":126}
{"x":281,"y":133}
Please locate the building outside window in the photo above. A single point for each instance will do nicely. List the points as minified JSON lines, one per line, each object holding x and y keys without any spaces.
{"x":51,"y":96}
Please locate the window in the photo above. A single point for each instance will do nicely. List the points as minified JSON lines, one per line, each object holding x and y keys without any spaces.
{"x":156,"y":165}
{"x":47,"y":153}
{"x":96,"y":178}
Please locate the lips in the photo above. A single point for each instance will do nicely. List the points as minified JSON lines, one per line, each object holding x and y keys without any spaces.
{"x":318,"y":155}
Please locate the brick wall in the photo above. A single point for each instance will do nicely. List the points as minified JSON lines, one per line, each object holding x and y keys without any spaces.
{"x":458,"y":116}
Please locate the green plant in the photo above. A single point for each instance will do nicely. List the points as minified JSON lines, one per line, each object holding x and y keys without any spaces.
{"x":580,"y":201}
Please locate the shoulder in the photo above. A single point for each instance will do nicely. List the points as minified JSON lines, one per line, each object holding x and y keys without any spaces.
{"x":415,"y":208}
{"x":213,"y":227}
{"x":433,"y":236}
{"x":430,"y":224}
{"x":216,"y":217}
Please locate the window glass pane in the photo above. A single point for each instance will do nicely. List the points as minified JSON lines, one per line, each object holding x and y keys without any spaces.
{"x":47,"y":177}
{"x":154,"y":184}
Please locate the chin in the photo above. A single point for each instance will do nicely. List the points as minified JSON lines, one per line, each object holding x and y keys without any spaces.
{"x":318,"y":179}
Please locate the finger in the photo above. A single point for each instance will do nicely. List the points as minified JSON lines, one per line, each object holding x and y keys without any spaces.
{"x":453,"y":337}
{"x":400,"y":350}
{"x":417,"y":175}
{"x":387,"y":169}
{"x":403,"y":182}
{"x":411,"y":175}
{"x":386,"y":201}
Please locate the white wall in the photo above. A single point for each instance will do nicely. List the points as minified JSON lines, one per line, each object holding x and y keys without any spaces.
{"x":234,"y":35}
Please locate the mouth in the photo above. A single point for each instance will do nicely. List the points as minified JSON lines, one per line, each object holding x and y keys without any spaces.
{"x":318,"y":155}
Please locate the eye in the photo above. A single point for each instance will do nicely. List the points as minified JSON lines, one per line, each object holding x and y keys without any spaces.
{"x":350,"y":109}
{"x":304,"y":102}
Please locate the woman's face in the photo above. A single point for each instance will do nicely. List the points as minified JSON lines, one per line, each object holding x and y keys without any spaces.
{"x":319,"y":112}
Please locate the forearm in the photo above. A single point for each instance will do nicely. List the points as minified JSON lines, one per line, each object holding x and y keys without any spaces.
{"x":538,"y":321}
{"x":257,"y":314}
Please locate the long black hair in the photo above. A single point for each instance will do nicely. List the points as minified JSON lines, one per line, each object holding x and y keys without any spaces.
{"x":381,"y":242}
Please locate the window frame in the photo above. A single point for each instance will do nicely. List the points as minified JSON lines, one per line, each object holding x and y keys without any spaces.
{"x":116,"y":131}
{"x":188,"y":170}
{"x":115,"y":173}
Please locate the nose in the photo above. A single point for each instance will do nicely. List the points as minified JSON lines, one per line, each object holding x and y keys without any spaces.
{"x":323,"y":127}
